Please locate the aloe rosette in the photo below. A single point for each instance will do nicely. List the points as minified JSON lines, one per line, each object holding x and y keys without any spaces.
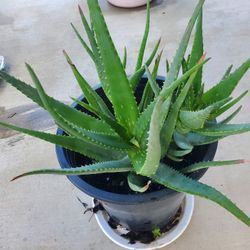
{"x":132,"y":137}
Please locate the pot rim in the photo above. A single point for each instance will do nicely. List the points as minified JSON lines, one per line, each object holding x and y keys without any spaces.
{"x":127,"y":199}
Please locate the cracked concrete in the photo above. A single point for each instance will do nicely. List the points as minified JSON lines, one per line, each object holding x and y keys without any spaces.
{"x":42,"y":213}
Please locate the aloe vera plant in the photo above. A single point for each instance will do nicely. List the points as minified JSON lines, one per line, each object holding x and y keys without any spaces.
{"x":132,"y":137}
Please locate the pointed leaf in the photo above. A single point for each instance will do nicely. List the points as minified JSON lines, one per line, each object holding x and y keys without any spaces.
{"x":228,"y":106}
{"x":80,"y":119}
{"x":147,"y":95}
{"x":154,"y":86}
{"x":144,"y":39}
{"x":96,"y":168}
{"x":124,"y":62}
{"x":225,"y":129}
{"x":136,"y":77}
{"x":176,"y":64}
{"x":172,"y":179}
{"x":197,"y":52}
{"x":197,"y":139}
{"x":228,"y":71}
{"x":209,"y":164}
{"x":84,"y":44}
{"x":224,"y":88}
{"x":86,"y":148}
{"x":92,"y":97}
{"x":124,"y":104}
{"x":230,"y":117}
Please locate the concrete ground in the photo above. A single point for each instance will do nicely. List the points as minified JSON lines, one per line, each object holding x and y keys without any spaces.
{"x":42,"y":212}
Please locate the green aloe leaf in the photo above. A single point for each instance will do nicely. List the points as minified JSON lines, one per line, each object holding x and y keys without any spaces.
{"x":84,"y":44}
{"x":148,"y":94}
{"x":144,"y":39}
{"x":92,"y":97}
{"x":80,"y":119}
{"x":107,"y":141}
{"x":172,"y":179}
{"x":90,"y":34}
{"x":176,"y":64}
{"x":182,"y":142}
{"x":115,"y":81}
{"x":138,"y":183}
{"x":85,"y":106}
{"x":227,"y":106}
{"x":154,"y":86}
{"x":223,"y":130}
{"x":89,"y":149}
{"x":169,"y":125}
{"x":124,"y":62}
{"x":209,"y":164}
{"x":118,"y":166}
{"x":136,"y":77}
{"x":111,"y":122}
{"x":196,"y":139}
{"x":143,"y":121}
{"x":195,"y":119}
{"x":146,"y":163}
{"x":144,"y":118}
{"x":224,"y":88}
{"x":228,"y":71}
{"x":231,"y":116}
{"x":197,"y":52}
{"x":179,"y":153}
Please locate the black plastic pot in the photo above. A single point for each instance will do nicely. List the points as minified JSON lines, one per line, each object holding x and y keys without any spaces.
{"x":138,"y":212}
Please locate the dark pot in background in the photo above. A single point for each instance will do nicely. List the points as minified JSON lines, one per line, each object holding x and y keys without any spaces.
{"x":138,"y":212}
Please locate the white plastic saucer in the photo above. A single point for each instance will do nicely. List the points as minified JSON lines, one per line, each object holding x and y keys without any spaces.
{"x":164,"y":240}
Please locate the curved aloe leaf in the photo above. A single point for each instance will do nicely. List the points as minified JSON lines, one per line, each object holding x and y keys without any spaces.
{"x":172,"y":179}
{"x":89,"y":149}
{"x":195,"y":119}
{"x":144,"y":39}
{"x":92,"y":97}
{"x":80,"y":119}
{"x":228,"y":106}
{"x":182,"y":142}
{"x":115,"y":81}
{"x":176,"y":64}
{"x":197,"y":139}
{"x":230,"y":117}
{"x":146,"y":163}
{"x":224,"y":88}
{"x":225,"y":129}
{"x":138,"y":183}
{"x":209,"y":164}
{"x":179,"y":153}
{"x":96,"y":168}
